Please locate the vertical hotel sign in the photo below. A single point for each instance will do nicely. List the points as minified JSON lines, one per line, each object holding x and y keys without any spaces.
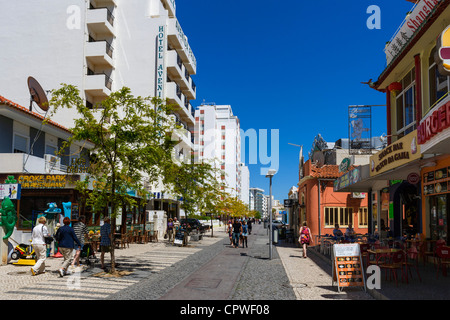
{"x":160,"y":54}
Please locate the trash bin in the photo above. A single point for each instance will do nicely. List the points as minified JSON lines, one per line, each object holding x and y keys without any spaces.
{"x":275,"y":235}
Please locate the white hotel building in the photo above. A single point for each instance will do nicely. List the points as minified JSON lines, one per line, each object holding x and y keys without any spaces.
{"x":99,"y":46}
{"x":218,"y":139}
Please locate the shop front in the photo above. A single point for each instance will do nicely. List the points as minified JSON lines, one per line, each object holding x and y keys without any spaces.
{"x":435,"y":204}
{"x":392,"y":181}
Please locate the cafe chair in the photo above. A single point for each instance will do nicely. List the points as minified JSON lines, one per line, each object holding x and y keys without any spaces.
{"x":443,"y":254}
{"x":396,"y":263}
{"x":412,"y":261}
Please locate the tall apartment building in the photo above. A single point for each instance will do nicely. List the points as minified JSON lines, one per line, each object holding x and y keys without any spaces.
{"x":258,"y":201}
{"x":100,"y":46}
{"x":218,"y":139}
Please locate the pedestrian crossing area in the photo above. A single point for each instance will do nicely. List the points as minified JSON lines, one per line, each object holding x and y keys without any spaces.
{"x":138,"y":262}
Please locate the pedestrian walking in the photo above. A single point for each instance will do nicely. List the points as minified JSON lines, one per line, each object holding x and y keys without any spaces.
{"x":245,"y":229}
{"x":305,"y":238}
{"x":105,"y":240}
{"x":230,"y":231}
{"x":169,"y":231}
{"x":67,"y":240}
{"x":250,"y":223}
{"x":80,"y":230}
{"x":40,"y":248}
{"x":236,"y":233}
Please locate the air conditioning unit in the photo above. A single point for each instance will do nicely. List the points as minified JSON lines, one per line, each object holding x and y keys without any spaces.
{"x":52,"y":162}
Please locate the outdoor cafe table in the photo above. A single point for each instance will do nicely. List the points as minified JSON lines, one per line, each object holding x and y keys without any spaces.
{"x":382,"y":252}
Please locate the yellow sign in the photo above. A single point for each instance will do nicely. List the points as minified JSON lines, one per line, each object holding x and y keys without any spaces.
{"x":45,"y":181}
{"x":399,"y":153}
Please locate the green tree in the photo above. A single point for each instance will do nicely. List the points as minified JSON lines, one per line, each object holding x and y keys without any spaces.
{"x":132,"y":138}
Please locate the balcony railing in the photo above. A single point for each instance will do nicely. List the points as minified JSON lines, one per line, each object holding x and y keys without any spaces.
{"x":109,"y":47}
{"x":108,"y":80}
{"x":109,"y":15}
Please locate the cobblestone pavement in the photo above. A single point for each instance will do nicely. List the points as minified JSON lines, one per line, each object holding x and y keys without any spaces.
{"x":143,"y":260}
{"x":158,"y":268}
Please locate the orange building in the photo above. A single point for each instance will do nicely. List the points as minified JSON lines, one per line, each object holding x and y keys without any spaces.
{"x":322,"y":207}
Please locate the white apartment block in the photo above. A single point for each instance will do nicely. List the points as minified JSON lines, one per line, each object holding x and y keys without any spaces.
{"x":218,"y":140}
{"x":100,"y":46}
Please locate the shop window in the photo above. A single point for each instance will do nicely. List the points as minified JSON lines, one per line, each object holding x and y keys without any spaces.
{"x":340,"y":215}
{"x":438,"y":84}
{"x":406,"y":105}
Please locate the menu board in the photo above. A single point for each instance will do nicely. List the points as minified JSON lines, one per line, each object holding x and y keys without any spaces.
{"x":437,"y":181}
{"x":347,"y":266}
{"x":75,"y":209}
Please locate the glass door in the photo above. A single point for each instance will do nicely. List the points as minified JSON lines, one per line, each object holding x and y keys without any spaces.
{"x":438,"y":217}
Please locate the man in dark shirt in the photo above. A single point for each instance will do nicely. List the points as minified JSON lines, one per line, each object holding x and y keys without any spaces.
{"x":249,"y":223}
{"x":236,"y":232}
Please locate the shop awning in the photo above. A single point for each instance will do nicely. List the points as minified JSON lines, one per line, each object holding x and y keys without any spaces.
{"x":381,"y":181}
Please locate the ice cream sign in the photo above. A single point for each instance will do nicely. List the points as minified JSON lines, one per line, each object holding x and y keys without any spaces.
{"x":442,"y":57}
{"x":399,"y":153}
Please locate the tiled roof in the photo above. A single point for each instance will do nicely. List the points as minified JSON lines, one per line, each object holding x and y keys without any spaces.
{"x":17,"y":106}
{"x":326,"y":171}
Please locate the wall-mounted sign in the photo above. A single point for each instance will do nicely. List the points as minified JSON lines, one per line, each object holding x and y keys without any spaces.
{"x":160,"y":66}
{"x":413,"y":22}
{"x":398,"y":153}
{"x":436,"y":181}
{"x":10,"y":190}
{"x":345,"y":165}
{"x":351,"y":177}
{"x":442,"y":56}
{"x":78,"y":166}
{"x":413,"y":178}
{"x":48,"y":181}
{"x":435,"y":122}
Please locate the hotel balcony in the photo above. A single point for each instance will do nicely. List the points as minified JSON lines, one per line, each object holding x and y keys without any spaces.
{"x":100,"y":21}
{"x":178,"y":72}
{"x":179,"y":41}
{"x":100,"y":53}
{"x":97,"y":86}
{"x":181,"y":105}
{"x":170,"y":6}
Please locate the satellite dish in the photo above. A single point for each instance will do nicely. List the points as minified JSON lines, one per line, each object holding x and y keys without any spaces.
{"x":37,"y":94}
{"x":318,"y":158}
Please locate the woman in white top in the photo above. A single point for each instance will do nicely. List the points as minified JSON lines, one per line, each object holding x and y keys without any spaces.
{"x":40,"y":248}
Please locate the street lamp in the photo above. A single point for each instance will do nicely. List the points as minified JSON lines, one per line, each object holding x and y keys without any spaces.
{"x":270,"y":174}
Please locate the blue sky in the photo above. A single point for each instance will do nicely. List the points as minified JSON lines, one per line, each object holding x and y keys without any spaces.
{"x":292,"y":65}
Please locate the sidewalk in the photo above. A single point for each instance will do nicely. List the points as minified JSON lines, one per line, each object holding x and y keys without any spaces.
{"x":144,"y":260}
{"x":430,"y":288}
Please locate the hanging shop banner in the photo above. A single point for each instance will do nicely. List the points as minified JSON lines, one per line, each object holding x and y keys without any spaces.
{"x":395,"y":155}
{"x":347,"y":266}
{"x":11,"y":191}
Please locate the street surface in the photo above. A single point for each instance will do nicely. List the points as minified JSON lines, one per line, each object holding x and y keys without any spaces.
{"x":209,"y":269}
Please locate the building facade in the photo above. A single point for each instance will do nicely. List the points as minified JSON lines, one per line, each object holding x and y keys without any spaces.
{"x":408,"y":180}
{"x":218,"y":141}
{"x":27,"y":157}
{"x":100,"y":46}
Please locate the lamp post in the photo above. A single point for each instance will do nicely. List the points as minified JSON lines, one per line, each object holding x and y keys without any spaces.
{"x":269,"y":175}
